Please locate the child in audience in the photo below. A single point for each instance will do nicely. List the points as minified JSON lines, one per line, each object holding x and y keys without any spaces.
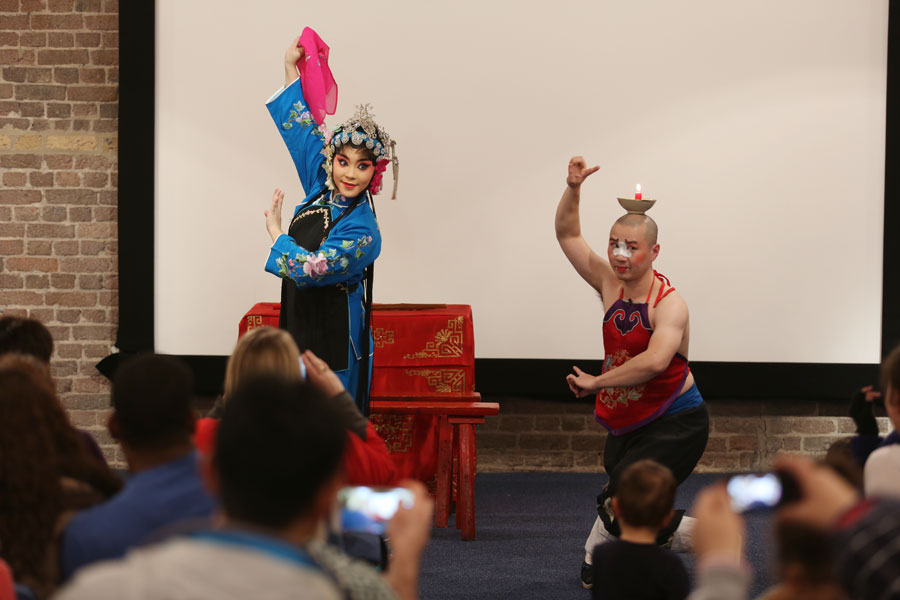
{"x":643,"y":504}
{"x":269,"y":350}
{"x":805,"y":565}
{"x":46,"y":473}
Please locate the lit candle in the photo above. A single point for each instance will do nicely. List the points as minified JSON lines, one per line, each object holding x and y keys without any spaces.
{"x":637,"y":192}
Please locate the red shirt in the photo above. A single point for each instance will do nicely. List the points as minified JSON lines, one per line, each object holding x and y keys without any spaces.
{"x":366,"y":461}
{"x":7,"y":585}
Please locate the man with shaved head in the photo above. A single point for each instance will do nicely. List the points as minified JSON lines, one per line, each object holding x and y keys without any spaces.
{"x":645,"y":396}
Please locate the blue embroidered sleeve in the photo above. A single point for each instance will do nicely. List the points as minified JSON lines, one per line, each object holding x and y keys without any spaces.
{"x":352,"y":246}
{"x":301,"y":135}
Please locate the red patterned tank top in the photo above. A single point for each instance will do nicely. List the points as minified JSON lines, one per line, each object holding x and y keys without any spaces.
{"x":626,"y":333}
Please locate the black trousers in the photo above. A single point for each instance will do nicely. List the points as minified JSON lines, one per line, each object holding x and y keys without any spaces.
{"x":676,"y":441}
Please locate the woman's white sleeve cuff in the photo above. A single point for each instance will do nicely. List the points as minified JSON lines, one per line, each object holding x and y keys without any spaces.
{"x":280,"y":90}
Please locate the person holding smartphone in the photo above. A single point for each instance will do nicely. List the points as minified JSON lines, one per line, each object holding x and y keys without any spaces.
{"x":269,"y":351}
{"x":862,"y":534}
{"x":879,"y":456}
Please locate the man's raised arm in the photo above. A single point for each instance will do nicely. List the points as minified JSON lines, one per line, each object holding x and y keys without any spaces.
{"x":588,"y":263}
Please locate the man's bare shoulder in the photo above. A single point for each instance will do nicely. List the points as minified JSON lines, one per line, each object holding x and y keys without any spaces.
{"x":672,"y":306}
{"x":673,"y":297}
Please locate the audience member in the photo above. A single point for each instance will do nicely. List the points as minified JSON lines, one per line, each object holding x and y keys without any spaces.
{"x":643,"y":505}
{"x":153,"y":420}
{"x":805,"y":557}
{"x":881,"y":474}
{"x":276,"y":467}
{"x":805,"y":560}
{"x":45,"y":473}
{"x":270,"y":350}
{"x":867,"y":438}
{"x":26,"y":336}
{"x":719,"y":533}
{"x":30,"y":337}
{"x":839,"y":457}
{"x":863,"y":533}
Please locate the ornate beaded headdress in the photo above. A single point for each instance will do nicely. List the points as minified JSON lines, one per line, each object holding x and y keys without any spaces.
{"x":362,"y":130}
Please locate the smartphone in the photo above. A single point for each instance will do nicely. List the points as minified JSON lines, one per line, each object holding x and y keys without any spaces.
{"x":302,"y":369}
{"x":371,"y":508}
{"x":761,"y":491}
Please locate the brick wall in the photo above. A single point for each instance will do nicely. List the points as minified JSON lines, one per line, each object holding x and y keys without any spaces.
{"x":551,"y":435}
{"x":58,"y":139}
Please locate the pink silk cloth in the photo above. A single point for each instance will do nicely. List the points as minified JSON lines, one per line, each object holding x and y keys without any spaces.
{"x":319,"y":87}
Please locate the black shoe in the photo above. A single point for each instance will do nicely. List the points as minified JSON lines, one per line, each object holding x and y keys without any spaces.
{"x":587,"y":576}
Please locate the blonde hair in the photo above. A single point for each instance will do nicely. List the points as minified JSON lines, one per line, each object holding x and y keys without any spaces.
{"x":262,"y":350}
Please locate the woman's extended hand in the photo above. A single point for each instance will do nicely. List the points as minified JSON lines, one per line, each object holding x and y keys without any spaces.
{"x":273,"y":215}
{"x":293,"y":54}
{"x":320,"y":375}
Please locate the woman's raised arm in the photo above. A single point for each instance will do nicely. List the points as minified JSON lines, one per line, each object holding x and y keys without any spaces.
{"x":303,"y":137}
{"x":292,"y":56}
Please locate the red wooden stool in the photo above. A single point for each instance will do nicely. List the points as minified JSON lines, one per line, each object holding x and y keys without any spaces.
{"x":458,"y":415}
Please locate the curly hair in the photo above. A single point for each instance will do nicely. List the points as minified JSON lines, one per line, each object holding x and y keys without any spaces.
{"x":38,"y":448}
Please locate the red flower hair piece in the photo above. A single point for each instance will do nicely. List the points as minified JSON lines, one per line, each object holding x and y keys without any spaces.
{"x":380,"y":168}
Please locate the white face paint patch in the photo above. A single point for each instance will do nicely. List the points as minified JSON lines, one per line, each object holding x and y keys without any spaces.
{"x":622,"y":249}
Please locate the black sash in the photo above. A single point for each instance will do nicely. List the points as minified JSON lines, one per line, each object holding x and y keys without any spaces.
{"x":318,"y":318}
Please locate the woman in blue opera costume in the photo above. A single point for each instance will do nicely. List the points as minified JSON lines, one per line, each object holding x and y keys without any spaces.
{"x":326,"y":257}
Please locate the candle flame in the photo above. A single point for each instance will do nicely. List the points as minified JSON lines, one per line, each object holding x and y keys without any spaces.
{"x":637,"y":188}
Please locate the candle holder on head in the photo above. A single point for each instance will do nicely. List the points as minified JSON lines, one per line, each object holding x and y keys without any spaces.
{"x":637,"y":207}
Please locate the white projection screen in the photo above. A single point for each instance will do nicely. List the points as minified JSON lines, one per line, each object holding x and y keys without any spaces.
{"x":757,"y":125}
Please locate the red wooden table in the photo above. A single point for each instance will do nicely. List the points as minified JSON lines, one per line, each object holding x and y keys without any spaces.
{"x":424,"y":366}
{"x":458,"y":415}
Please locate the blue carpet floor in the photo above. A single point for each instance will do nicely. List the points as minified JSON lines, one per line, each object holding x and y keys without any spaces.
{"x":531,"y":531}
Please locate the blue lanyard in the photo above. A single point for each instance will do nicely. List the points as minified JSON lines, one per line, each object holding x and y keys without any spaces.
{"x":260,"y":543}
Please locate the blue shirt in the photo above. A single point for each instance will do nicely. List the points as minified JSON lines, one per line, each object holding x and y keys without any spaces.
{"x":150,"y":500}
